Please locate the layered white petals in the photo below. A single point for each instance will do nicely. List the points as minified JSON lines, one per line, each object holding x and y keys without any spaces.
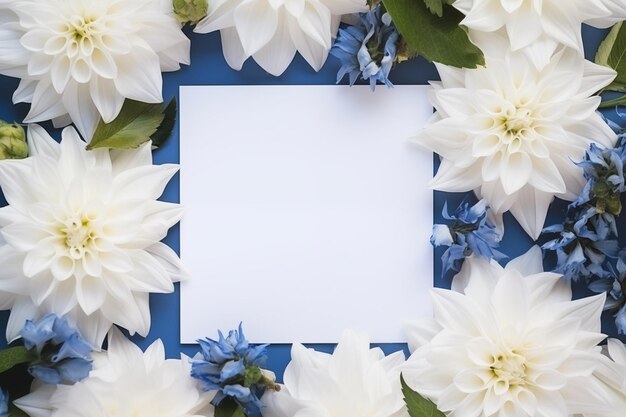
{"x":354,"y":381}
{"x":612,"y":374}
{"x":536,"y":27}
{"x":503,"y":344}
{"x":83,"y":58}
{"x":512,"y":133}
{"x":271,"y":31}
{"x":125,"y":382}
{"x":81,"y":235}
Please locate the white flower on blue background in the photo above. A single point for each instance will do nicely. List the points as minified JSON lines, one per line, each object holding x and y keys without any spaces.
{"x":368,"y":48}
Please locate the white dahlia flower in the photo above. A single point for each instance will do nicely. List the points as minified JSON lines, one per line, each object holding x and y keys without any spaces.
{"x":82,"y":58}
{"x":271,"y":31}
{"x":354,"y":381}
{"x":612,"y":373}
{"x":507,"y":344}
{"x":539,"y":26}
{"x":618,"y":13}
{"x":512,"y":133}
{"x":125,"y":382}
{"x":82,"y":235}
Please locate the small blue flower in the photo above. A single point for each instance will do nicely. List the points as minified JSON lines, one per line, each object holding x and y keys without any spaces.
{"x":368,"y":48}
{"x":584,"y":244}
{"x":614,"y":285}
{"x":232,"y":367}
{"x":64,"y":356}
{"x":470,"y":233}
{"x":603,"y":168}
{"x":4,"y":404}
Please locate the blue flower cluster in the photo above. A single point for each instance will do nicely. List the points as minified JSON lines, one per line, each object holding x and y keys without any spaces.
{"x":470,"y":233}
{"x":63,"y":355}
{"x":368,"y":48}
{"x":587,"y":247}
{"x":232,"y":367}
{"x":4,"y":404}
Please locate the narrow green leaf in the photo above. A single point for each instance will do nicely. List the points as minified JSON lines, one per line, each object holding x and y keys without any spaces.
{"x":612,"y":53}
{"x":417,"y":405}
{"x":16,"y":412}
{"x":438,"y":39}
{"x":133,"y":127}
{"x":13,"y":356}
{"x":229,"y":408}
{"x":166,"y":128}
{"x":435,"y":6}
{"x":619,"y":101}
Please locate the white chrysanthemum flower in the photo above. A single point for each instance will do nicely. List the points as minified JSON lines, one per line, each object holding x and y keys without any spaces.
{"x":82,"y":232}
{"x":538,"y":26}
{"x":271,"y":31}
{"x":507,"y":344}
{"x":612,"y":373}
{"x":354,"y":381}
{"x":125,"y":382}
{"x":82,"y":58}
{"x":512,"y":133}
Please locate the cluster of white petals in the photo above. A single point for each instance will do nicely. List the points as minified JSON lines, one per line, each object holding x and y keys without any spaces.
{"x":512,"y":133}
{"x":82,"y":58}
{"x":538,"y":27}
{"x":81,"y":235}
{"x":125,"y":382}
{"x":354,"y":381}
{"x":271,"y":31}
{"x":612,"y":373}
{"x":510,"y":342}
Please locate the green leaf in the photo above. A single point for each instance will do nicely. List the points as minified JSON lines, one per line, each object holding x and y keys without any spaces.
{"x":417,"y":405}
{"x":131,"y":128}
{"x":612,"y":54}
{"x":166,"y":128}
{"x":14,"y":356}
{"x":229,"y":408}
{"x":16,"y":412}
{"x":619,"y":101}
{"x":435,"y":6}
{"x":438,"y":39}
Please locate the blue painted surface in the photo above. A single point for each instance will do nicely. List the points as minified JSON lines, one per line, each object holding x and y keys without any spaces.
{"x":209,"y":68}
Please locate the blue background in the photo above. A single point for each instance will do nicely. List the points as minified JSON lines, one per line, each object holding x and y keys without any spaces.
{"x":209,"y":68}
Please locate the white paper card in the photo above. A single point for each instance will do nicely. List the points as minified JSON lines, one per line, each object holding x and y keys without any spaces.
{"x":307,"y":211}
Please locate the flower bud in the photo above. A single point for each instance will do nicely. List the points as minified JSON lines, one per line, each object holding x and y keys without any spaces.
{"x":190,"y":11}
{"x":12,"y":141}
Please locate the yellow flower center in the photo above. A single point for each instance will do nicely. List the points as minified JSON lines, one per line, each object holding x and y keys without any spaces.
{"x":518,"y":121}
{"x":78,"y":236}
{"x":509,"y":369}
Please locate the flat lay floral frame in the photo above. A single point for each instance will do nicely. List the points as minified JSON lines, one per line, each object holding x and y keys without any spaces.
{"x":81,"y":238}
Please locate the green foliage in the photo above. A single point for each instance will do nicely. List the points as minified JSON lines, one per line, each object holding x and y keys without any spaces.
{"x":433,"y":35}
{"x":190,"y":11}
{"x":229,"y":408}
{"x":612,"y":53}
{"x":11,"y":357}
{"x":12,"y":141}
{"x":136,"y":124}
{"x":417,"y":405}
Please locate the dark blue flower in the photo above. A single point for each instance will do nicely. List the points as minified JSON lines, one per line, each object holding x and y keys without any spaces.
{"x":64,"y":356}
{"x":603,"y":168}
{"x":584,"y":244}
{"x":614,"y":285}
{"x":4,"y":404}
{"x":232,"y":367}
{"x":470,"y":233}
{"x":368,"y":48}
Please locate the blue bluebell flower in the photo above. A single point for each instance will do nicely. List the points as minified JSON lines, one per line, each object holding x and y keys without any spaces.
{"x":63,"y":355}
{"x":4,"y":403}
{"x":470,"y":233}
{"x":614,"y":285}
{"x":603,"y":168}
{"x":368,"y":48}
{"x":584,"y":244}
{"x":232,"y":367}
